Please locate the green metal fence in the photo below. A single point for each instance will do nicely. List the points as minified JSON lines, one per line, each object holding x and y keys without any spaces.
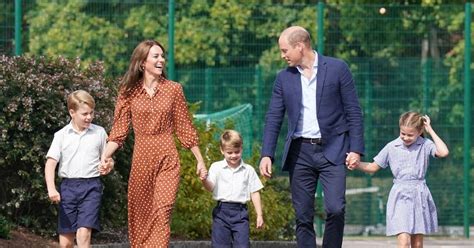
{"x":403,"y":57}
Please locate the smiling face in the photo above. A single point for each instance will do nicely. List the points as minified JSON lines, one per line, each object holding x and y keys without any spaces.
{"x":82,"y":117}
{"x":409,"y":135}
{"x":232,"y":155}
{"x":155,"y":62}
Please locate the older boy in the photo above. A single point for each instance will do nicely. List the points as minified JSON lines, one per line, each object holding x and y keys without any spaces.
{"x":78,"y":148}
{"x":233,"y":183}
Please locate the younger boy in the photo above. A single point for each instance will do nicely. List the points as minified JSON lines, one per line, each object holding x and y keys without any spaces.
{"x":232,"y":183}
{"x":78,"y":148}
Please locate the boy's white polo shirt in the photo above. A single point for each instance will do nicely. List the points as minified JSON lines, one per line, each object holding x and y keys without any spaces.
{"x":233,"y":185}
{"x":78,"y":154}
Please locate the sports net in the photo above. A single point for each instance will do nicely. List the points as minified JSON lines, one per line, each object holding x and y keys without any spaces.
{"x":238,"y":118}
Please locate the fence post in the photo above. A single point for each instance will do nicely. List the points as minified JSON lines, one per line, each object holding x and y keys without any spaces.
{"x":171,"y":9}
{"x":320,"y":19}
{"x":259,"y":95}
{"x":321,"y":27}
{"x":208,"y":94}
{"x":18,"y":26}
{"x":368,"y":131}
{"x":467,"y":116}
{"x":427,"y":64}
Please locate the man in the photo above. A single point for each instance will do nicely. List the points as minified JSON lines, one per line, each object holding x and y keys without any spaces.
{"x":325,"y":129}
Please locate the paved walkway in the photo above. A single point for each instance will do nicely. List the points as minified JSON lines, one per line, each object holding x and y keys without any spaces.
{"x":349,"y":242}
{"x":386,"y":242}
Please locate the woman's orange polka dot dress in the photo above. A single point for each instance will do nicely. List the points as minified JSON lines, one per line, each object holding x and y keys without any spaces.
{"x":154,"y":175}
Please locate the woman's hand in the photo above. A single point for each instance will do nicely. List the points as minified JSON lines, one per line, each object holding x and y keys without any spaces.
{"x":201,"y":170}
{"x":106,"y":166}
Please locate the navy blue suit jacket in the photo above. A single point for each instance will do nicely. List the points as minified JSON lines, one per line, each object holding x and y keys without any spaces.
{"x":338,"y":111}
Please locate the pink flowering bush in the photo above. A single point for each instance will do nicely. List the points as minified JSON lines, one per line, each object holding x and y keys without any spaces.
{"x":33,"y":94}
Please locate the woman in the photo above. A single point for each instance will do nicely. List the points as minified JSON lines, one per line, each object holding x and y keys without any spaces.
{"x":157,"y":109}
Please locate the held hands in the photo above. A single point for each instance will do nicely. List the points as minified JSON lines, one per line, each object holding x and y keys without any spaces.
{"x":352,"y":160}
{"x":106,"y":166}
{"x":201,"y":170}
{"x":266,"y":167}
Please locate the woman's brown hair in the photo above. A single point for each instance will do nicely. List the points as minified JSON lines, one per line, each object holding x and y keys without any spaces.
{"x":134,"y":73}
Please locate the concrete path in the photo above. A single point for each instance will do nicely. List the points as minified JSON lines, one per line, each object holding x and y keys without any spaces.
{"x":386,"y":242}
{"x":349,"y":242}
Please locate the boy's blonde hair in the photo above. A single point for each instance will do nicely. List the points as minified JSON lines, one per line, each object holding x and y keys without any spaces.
{"x":412,"y":119}
{"x":231,"y":138}
{"x":78,"y":97}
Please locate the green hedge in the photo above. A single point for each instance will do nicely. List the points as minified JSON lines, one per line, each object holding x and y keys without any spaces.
{"x":5,"y":228}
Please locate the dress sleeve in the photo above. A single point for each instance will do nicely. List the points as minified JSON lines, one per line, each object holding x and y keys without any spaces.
{"x":182,"y":121}
{"x":122,"y":119}
{"x":431,"y":148}
{"x":382,"y":158}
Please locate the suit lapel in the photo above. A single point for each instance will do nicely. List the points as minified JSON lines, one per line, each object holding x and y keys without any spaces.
{"x":320,"y":78}
{"x":296,"y":93}
{"x":297,"y":87}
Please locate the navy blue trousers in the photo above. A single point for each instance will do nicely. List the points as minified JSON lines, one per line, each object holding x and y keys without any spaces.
{"x":307,"y":165}
{"x":230,"y":226}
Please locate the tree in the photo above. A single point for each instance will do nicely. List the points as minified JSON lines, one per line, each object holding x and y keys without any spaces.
{"x":64,"y":29}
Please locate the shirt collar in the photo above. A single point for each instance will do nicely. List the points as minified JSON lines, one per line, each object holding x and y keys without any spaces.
{"x":70,"y":128}
{"x":399,"y":141}
{"x":241,"y":165}
{"x":315,"y":63}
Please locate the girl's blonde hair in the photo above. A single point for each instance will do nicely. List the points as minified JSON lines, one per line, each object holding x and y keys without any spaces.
{"x":412,"y":119}
{"x":231,"y":138}
{"x":78,"y":97}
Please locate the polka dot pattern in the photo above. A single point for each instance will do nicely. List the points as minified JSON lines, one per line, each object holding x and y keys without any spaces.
{"x":154,"y":175}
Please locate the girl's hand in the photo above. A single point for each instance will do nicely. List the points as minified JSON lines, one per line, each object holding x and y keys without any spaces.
{"x":352,"y":160}
{"x":427,"y":122}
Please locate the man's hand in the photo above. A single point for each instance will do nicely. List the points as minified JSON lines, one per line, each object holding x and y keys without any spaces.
{"x":266,"y":167}
{"x":352,"y":160}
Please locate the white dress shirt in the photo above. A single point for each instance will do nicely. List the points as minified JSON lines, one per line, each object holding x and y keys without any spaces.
{"x":233,"y":184}
{"x":78,"y":153}
{"x":308,"y":125}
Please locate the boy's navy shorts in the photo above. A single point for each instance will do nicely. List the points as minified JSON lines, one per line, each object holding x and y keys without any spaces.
{"x":80,"y":204}
{"x":230,"y":225}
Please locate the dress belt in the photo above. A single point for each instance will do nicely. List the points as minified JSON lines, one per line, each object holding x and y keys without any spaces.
{"x":313,"y":141}
{"x":231,"y":204}
{"x":409,"y":181}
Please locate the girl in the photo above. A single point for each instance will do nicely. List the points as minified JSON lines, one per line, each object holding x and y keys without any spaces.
{"x":411,"y":211}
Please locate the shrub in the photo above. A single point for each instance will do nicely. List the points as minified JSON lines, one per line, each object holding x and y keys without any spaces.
{"x":5,"y":228}
{"x":33,"y":95}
